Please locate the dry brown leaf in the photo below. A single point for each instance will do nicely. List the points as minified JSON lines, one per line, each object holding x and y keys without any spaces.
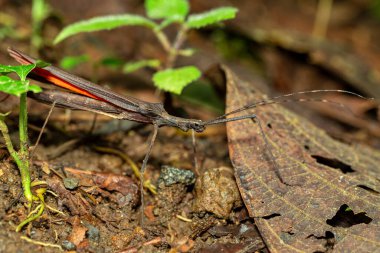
{"x":333,"y":199}
{"x":110,"y":182}
{"x":78,"y":232}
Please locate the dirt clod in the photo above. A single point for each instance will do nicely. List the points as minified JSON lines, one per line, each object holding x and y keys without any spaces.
{"x":217,"y":192}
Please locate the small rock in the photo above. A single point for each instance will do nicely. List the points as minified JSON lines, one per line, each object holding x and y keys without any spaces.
{"x":217,"y":192}
{"x":171,"y":175}
{"x":71,"y":183}
{"x":93,"y":233}
{"x":67,"y":245}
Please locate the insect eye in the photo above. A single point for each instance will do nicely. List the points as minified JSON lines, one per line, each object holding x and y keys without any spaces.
{"x":198,"y":127}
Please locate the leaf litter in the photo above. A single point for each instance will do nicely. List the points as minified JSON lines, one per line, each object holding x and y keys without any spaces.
{"x":296,"y":216}
{"x":328,"y":238}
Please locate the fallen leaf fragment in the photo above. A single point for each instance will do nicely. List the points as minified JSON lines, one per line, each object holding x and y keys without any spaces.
{"x":78,"y":232}
{"x":110,"y":182}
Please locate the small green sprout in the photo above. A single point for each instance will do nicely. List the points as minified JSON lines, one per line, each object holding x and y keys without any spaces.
{"x":21,"y":157}
{"x":160,"y":14}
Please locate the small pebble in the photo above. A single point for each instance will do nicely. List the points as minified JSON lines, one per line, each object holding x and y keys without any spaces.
{"x":171,"y":175}
{"x":71,"y":183}
{"x":67,"y":245}
{"x":93,"y":233}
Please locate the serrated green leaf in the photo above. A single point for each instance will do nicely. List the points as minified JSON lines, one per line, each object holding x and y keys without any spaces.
{"x":103,"y":23}
{"x":167,"y":9}
{"x":16,"y":87}
{"x":211,"y":17}
{"x":136,"y":65}
{"x":174,"y":80}
{"x":70,"y":62}
{"x":21,"y":70}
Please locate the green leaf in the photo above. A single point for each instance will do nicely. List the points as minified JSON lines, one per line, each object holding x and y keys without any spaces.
{"x":21,"y":70}
{"x":16,"y":87}
{"x":174,"y":80}
{"x":211,"y":17}
{"x":103,"y":23}
{"x":70,"y":62}
{"x":167,"y":9}
{"x":136,"y":65}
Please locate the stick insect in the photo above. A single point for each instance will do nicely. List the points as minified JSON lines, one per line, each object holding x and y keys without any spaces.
{"x":91,"y":97}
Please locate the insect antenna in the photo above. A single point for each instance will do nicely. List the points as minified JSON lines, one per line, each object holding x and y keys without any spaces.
{"x":280,"y":100}
{"x":142,"y":170}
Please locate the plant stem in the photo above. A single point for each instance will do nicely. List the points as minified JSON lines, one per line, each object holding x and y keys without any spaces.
{"x":24,"y":151}
{"x":172,"y":49}
{"x":23,"y":167}
{"x":41,"y":209}
{"x":173,"y":53}
{"x":163,"y":40}
{"x":23,"y":119}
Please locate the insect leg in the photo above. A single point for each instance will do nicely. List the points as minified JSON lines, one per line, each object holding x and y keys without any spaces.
{"x":143,"y":167}
{"x":42,"y":130}
{"x":194,"y":152}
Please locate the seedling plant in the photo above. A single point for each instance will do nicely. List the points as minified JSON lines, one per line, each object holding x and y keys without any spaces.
{"x":21,"y":157}
{"x":159,"y":15}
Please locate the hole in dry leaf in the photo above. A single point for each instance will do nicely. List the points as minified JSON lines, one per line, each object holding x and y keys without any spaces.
{"x":333,"y":163}
{"x":368,"y":188}
{"x":346,"y":218}
{"x":267,"y":217}
{"x":330,"y":241}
